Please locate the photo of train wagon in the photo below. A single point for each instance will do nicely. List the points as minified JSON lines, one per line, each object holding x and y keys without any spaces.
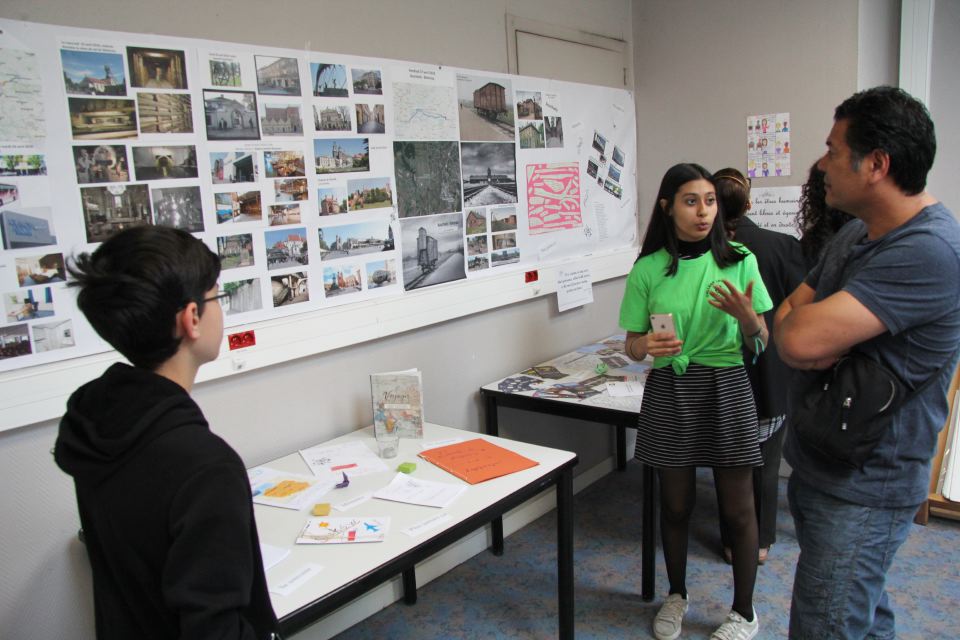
{"x":485,"y":108}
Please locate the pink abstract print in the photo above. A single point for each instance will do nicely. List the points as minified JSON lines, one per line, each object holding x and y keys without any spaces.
{"x":553,"y":197}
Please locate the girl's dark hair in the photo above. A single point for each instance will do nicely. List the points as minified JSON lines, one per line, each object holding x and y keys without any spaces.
{"x":661,"y":232}
{"x":817,"y":222}
{"x":135,"y":283}
{"x":733,"y":193}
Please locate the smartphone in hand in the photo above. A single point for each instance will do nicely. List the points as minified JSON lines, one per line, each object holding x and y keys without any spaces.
{"x":662,"y":323}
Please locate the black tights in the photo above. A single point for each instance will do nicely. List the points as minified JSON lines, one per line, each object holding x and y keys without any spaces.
{"x":678,"y":494}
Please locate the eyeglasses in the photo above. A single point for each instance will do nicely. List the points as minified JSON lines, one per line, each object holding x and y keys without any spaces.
{"x":219,"y":296}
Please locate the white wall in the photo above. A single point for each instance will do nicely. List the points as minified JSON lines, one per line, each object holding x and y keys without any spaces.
{"x":45,"y":585}
{"x":945,"y":101}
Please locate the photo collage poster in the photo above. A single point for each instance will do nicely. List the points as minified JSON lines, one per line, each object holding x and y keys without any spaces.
{"x":318,"y":179}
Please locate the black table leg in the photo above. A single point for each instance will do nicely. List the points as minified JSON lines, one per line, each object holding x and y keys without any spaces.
{"x":621,"y":447}
{"x":648,"y":547}
{"x":565,"y":552}
{"x":492,"y":422}
{"x":496,"y":529}
{"x":410,"y":586}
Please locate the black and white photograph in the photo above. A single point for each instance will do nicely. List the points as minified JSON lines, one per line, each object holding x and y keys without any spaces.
{"x":244,"y":295}
{"x":101,"y":163}
{"x":290,"y":288}
{"x":231,"y":115}
{"x":108,"y":210}
{"x":529,"y":105}
{"x":370,"y":118}
{"x":329,"y":80}
{"x":235,"y":251}
{"x":553,"y":132}
{"x":599,"y":142}
{"x":485,"y":108}
{"x":332,"y":118}
{"x":432,"y":248}
{"x":286,"y":248}
{"x":178,"y":207}
{"x":367,"y":81}
{"x":103,"y":119}
{"x":277,"y":76}
{"x":157,"y":68}
{"x":428,"y":178}
{"x":165,"y":112}
{"x":93,"y":73}
{"x":489,"y":173}
{"x":164,"y":163}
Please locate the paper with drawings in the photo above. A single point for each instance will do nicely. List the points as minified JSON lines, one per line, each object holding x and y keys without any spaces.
{"x":288,"y":490}
{"x":404,"y":488}
{"x":352,"y":457}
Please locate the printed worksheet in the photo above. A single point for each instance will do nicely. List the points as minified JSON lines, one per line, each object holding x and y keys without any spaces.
{"x":352,"y":457}
{"x":404,"y":488}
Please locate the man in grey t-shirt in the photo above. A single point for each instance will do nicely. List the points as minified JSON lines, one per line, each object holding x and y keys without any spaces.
{"x":887,"y":287}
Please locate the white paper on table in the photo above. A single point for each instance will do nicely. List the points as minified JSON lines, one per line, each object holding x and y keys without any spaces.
{"x":272,"y":555}
{"x":423,"y":526}
{"x":275,"y":488}
{"x":352,"y":457}
{"x":327,"y":530}
{"x":404,"y":488}
{"x":440,"y":443}
{"x":574,"y":288}
{"x":295,"y":581}
{"x":625,"y":388}
{"x":353,"y":502}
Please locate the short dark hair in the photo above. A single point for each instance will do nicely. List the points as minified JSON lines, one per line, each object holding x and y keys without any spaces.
{"x":135,"y":283}
{"x":661,"y":232}
{"x":891,"y":120}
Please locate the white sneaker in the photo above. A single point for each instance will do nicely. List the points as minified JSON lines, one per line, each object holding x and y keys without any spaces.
{"x":736,"y":628}
{"x":666,"y":626}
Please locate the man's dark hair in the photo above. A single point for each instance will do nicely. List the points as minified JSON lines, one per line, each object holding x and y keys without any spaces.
{"x":135,"y":283}
{"x":891,"y":120}
{"x":662,"y":233}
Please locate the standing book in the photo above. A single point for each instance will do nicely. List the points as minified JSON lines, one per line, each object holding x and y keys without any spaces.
{"x":397,"y":403}
{"x":477,"y":460}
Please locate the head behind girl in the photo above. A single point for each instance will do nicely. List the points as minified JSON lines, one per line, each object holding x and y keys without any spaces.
{"x":733,"y":193}
{"x":818,"y":222}
{"x":682,"y":186}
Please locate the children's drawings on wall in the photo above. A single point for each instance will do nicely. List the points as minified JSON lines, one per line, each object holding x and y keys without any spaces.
{"x":768,"y":145}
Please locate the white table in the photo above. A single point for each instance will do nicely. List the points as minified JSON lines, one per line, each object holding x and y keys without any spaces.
{"x":350,"y":570}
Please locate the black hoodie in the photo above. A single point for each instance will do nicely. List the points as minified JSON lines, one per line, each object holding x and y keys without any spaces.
{"x":166,"y":513}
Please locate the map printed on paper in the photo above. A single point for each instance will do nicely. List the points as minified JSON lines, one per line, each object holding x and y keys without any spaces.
{"x":424,"y":112}
{"x":21,"y":101}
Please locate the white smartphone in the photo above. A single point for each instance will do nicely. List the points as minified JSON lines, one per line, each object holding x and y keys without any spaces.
{"x":662,"y":323}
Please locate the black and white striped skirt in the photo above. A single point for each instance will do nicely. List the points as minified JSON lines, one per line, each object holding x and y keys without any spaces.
{"x":704,"y":418}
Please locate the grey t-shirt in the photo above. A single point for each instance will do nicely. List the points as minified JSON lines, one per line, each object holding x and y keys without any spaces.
{"x":910,"y":280}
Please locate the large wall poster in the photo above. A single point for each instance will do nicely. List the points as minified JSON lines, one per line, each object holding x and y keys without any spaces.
{"x":319,"y":179}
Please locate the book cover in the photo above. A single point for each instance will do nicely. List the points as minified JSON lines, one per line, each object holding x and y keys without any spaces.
{"x":344,"y":530}
{"x":397,"y":403}
{"x":477,"y":460}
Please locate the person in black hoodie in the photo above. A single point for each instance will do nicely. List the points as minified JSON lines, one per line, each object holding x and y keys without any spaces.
{"x":165,"y":505}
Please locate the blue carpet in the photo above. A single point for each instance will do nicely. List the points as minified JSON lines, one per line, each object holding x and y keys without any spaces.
{"x":514,"y":596}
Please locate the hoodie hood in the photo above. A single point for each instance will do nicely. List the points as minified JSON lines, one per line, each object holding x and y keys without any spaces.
{"x":111,"y":417}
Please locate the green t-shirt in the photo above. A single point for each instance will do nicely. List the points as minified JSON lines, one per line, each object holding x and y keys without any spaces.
{"x":710,"y":336}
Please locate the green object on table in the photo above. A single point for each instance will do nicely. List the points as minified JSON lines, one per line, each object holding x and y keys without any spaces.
{"x":601,"y":368}
{"x":407,"y":467}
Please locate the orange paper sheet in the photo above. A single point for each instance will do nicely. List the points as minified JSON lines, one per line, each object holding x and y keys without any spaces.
{"x":477,"y":460}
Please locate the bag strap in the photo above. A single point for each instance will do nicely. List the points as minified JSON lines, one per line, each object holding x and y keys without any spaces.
{"x":929,"y":381}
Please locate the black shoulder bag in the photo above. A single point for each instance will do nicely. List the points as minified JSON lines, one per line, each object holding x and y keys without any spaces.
{"x":841,"y":417}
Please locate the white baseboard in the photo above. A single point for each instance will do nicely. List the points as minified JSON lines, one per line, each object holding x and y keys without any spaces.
{"x":443,"y":561}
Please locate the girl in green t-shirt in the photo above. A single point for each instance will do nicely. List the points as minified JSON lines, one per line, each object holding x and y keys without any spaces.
{"x":698,"y":408}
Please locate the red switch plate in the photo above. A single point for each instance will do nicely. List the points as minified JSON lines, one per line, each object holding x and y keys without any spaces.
{"x":531,"y":276}
{"x":242,"y":339}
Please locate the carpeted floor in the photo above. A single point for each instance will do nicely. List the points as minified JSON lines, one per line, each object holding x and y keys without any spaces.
{"x":514,"y":596}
